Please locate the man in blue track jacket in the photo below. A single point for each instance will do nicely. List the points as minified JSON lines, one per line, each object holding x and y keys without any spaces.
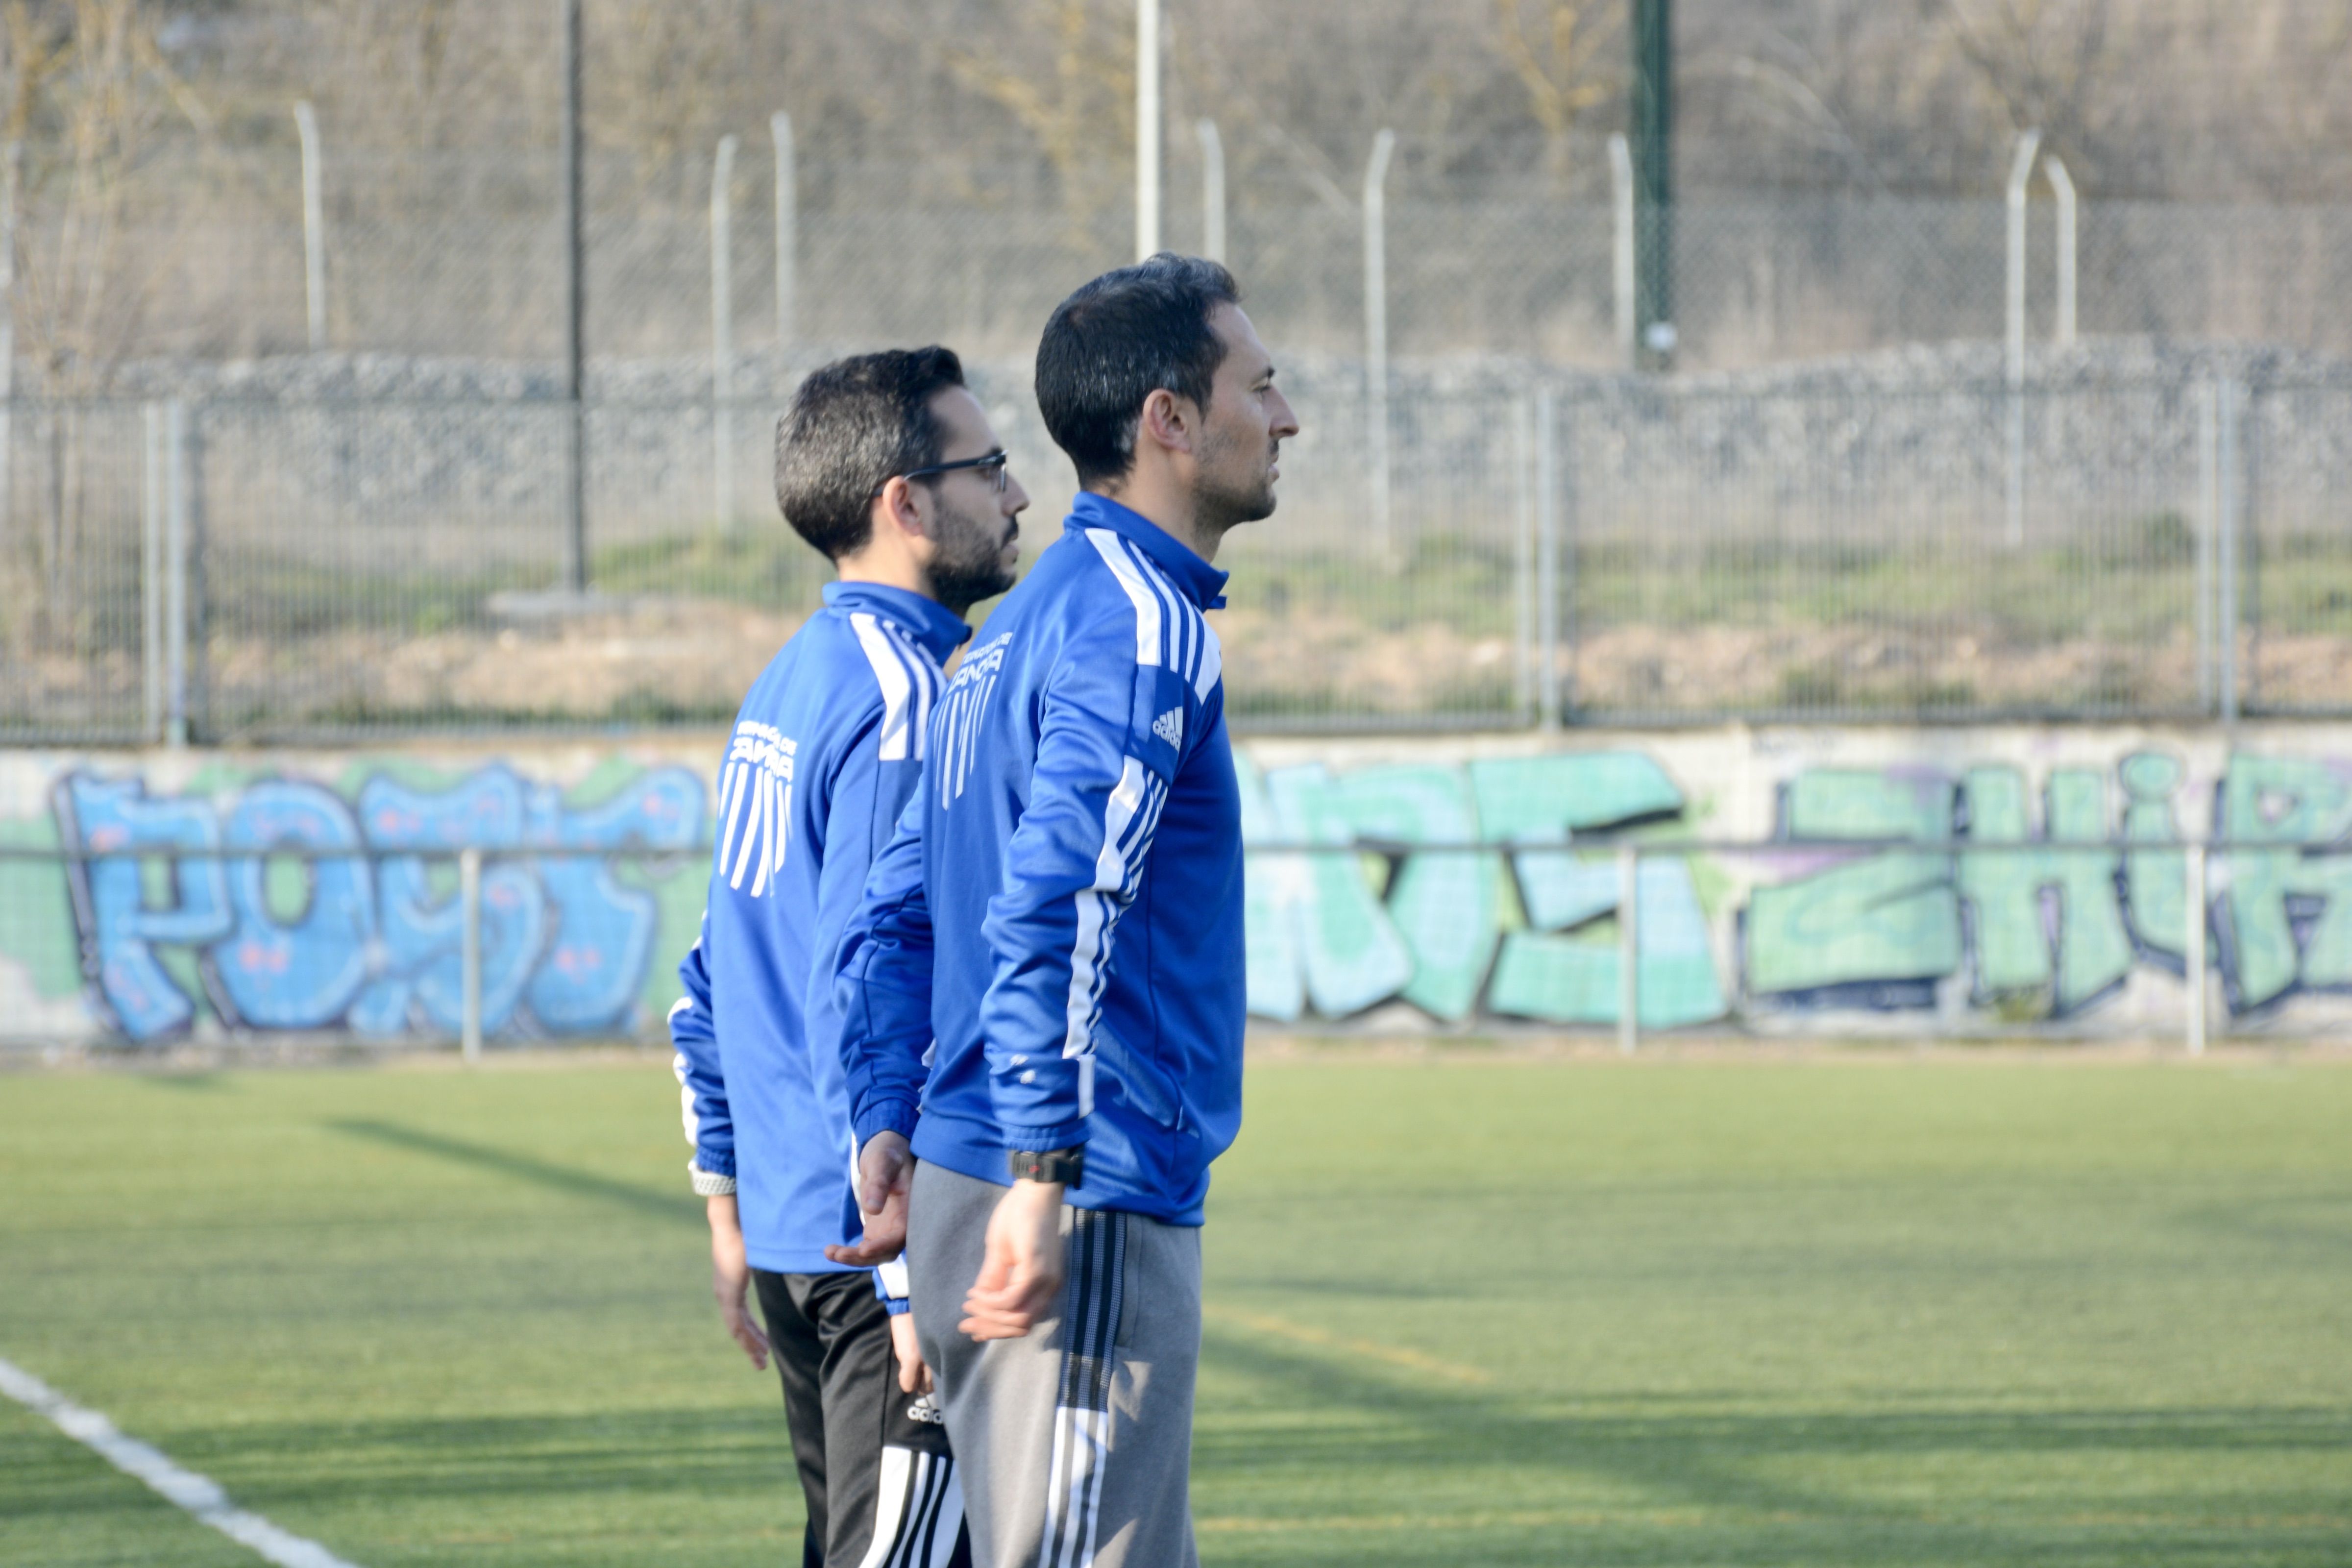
{"x":886,"y":464}
{"x":1043,"y":989}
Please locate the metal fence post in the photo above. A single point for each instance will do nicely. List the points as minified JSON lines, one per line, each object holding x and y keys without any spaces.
{"x":1146,"y":129}
{"x":1376,"y":339}
{"x":2062,"y":186}
{"x":151,"y":579}
{"x":1213,"y":190}
{"x":787,"y":229}
{"x":12,"y":173}
{"x":2193,"y":870}
{"x":1546,"y":563}
{"x":314,"y":226}
{"x":470,"y":953}
{"x":723,"y":334}
{"x":1629,"y":948}
{"x":2021,"y":169}
{"x":2209,"y":526}
{"x":575,"y":304}
{"x":2226,"y":487}
{"x":1523,"y":562}
{"x":1621,"y":271}
{"x":175,"y":568}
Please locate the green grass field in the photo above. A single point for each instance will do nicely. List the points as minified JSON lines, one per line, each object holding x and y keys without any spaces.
{"x":1981,"y":1311}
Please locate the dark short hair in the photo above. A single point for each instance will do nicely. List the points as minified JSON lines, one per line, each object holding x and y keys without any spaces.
{"x":852,"y":426}
{"x":1118,"y":340}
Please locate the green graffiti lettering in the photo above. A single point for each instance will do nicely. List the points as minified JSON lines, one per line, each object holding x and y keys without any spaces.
{"x":2085,"y":950}
{"x":1884,"y":917}
{"x":1353,"y":955}
{"x":2281,"y":800}
{"x":2155,"y":881}
{"x":1575,"y":979}
{"x":1445,"y":906}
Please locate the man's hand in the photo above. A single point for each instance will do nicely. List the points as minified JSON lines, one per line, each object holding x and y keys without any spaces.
{"x":914,"y":1376}
{"x":730,"y":1279}
{"x":885,"y":1169}
{"x":1021,"y":1270}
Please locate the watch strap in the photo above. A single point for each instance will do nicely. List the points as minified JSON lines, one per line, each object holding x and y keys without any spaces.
{"x":1066,"y":1167}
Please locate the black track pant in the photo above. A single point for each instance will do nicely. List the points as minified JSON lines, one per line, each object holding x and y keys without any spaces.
{"x":882,"y":1490}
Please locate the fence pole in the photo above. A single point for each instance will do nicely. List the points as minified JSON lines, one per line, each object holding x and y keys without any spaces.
{"x":722,"y":335}
{"x":1376,"y":339}
{"x":575,"y":306}
{"x":151,"y":579}
{"x":314,"y":226}
{"x":2021,"y":169}
{"x":787,"y":229}
{"x":176,"y":566}
{"x":1146,"y":129}
{"x":2209,"y":525}
{"x":1629,"y":948}
{"x":1213,"y":190}
{"x":1620,"y":205}
{"x":469,"y":952}
{"x":1547,"y":562}
{"x":12,"y":170}
{"x":2226,"y":485}
{"x":1523,"y":559}
{"x":2062,"y":186}
{"x":2193,"y":870}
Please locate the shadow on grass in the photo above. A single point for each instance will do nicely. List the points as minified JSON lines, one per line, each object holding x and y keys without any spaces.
{"x":503,"y":1163}
{"x":1447,"y":1479}
{"x":1714,"y":1486}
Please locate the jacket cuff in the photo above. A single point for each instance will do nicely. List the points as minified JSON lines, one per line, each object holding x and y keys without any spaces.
{"x":710,"y":1183}
{"x":1037,"y":1140}
{"x":887,"y":1115}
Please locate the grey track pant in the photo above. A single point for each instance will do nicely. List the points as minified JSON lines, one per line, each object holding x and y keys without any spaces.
{"x":1075,"y":1443}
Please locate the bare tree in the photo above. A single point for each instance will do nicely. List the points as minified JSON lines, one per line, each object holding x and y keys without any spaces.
{"x":1569,"y":65}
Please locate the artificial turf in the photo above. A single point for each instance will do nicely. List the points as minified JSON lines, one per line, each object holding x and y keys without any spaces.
{"x":1799,"y":1312}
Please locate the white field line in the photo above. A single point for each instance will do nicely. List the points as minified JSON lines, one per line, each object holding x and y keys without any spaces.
{"x":200,"y":1496}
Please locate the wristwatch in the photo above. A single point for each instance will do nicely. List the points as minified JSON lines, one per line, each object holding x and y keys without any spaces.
{"x":1068,"y":1166}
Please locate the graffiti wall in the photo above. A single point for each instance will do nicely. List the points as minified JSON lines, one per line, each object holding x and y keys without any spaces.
{"x":311,"y":894}
{"x":314,"y":892}
{"x":1861,"y":906}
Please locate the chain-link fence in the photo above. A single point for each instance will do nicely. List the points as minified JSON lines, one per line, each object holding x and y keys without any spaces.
{"x":1603,"y":548}
{"x":464,"y":253}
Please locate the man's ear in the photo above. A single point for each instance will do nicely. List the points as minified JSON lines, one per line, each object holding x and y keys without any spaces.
{"x":897,"y":508}
{"x":1169,"y":420}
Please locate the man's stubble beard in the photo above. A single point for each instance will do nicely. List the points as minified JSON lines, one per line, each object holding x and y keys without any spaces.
{"x":1219,"y":507}
{"x":966,"y":570}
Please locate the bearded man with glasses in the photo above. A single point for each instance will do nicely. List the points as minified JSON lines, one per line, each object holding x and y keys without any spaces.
{"x":886,"y":464}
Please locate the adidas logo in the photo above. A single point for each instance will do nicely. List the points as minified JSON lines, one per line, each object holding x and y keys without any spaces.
{"x":924,"y":1410}
{"x":1170,"y":726}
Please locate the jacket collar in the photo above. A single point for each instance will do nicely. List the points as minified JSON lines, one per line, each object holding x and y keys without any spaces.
{"x":937,"y":629}
{"x":1202,"y":582}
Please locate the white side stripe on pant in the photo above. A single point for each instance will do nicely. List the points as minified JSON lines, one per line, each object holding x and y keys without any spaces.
{"x":1082,"y":1422}
{"x":918,"y":1512}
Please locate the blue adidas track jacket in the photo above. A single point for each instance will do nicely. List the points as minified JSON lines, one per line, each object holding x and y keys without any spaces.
{"x":1061,"y":911}
{"x":827,"y":750}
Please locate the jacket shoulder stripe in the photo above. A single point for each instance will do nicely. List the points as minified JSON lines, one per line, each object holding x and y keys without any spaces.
{"x":1182,"y":619}
{"x":1188,"y":633}
{"x":1212,"y":663}
{"x":898,"y":684}
{"x":1148,"y":620}
{"x":927,"y":678}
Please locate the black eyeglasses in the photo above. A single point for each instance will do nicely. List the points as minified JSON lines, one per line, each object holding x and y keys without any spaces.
{"x":991,"y":467}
